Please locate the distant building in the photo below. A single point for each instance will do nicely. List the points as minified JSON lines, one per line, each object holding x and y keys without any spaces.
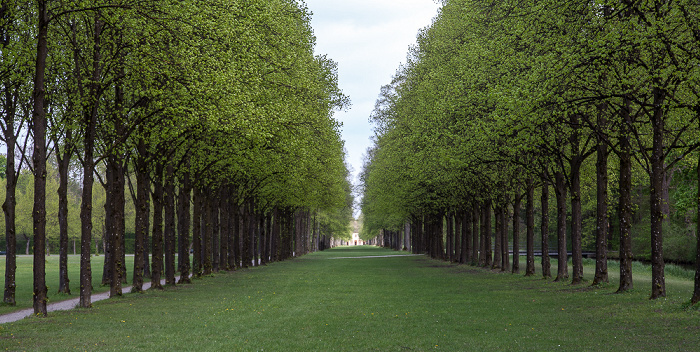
{"x":356,"y":241}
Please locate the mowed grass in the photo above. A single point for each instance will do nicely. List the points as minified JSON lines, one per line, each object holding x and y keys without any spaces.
{"x":24,"y":279}
{"x":316,"y":303}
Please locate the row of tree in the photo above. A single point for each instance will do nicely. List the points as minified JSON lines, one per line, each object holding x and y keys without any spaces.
{"x":215,"y":117}
{"x":501,"y":98}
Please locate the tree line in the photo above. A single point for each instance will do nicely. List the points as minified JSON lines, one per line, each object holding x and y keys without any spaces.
{"x":501,"y":102}
{"x":212,"y":119}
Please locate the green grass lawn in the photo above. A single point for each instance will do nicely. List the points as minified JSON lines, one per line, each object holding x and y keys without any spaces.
{"x":316,"y":303}
{"x":24,"y":277}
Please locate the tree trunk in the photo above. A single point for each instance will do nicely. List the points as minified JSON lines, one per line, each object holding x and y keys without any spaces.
{"x":39,"y":159}
{"x":601,"y":261}
{"x":10,"y":205}
{"x":516,"y":231}
{"x":497,"y":256}
{"x":116,"y":204}
{"x":142,"y":210}
{"x":530,"y":228}
{"x":576,"y":225}
{"x":108,"y":223}
{"x":157,"y":243}
{"x":183,"y":228}
{"x":63,"y":160}
{"x":224,"y":230}
{"x":696,"y":289}
{"x":562,"y":255}
{"x":169,"y":223}
{"x":476,"y":246}
{"x":197,"y":233}
{"x":466,"y":237}
{"x":207,"y":233}
{"x":450,"y":238}
{"x":544,"y":229}
{"x":625,"y":205}
{"x":216,"y":231}
{"x":658,"y":282}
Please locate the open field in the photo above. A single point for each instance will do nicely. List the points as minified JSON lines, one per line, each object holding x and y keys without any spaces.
{"x":23,"y":293}
{"x":371,"y":304}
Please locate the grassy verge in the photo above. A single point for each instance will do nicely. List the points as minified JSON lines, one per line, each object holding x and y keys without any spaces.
{"x":24,"y":277}
{"x":317,"y":303}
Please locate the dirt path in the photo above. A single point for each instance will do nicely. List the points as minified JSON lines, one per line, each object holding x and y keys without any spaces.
{"x":67,"y":304}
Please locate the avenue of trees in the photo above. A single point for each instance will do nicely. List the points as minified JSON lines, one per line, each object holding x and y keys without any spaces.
{"x":509,"y":110}
{"x":206,"y":124}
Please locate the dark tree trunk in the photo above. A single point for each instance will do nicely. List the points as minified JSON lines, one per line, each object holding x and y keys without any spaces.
{"x":236,"y":235}
{"x":197,"y":233}
{"x":497,"y":256}
{"x":116,"y":204}
{"x":576,"y":226}
{"x":63,"y":160}
{"x":169,"y":223}
{"x":544,"y":228}
{"x":215,"y":231}
{"x":450,"y":238}
{"x":466,"y":256}
{"x":625,"y":206}
{"x":658,"y":281}
{"x":108,"y":223}
{"x":487,"y":232}
{"x":10,"y":204}
{"x":275,"y":233}
{"x":39,"y":159}
{"x":459,"y":223}
{"x":143,"y":186}
{"x":183,"y":228}
{"x":157,"y":242}
{"x":516,"y":231}
{"x":530,"y":228}
{"x":601,"y":255}
{"x":562,"y":255}
{"x":207,"y":232}
{"x":505,"y":260}
{"x":245,"y":235}
{"x":475,"y":233}
{"x":696,"y":289}
{"x":224,"y":230}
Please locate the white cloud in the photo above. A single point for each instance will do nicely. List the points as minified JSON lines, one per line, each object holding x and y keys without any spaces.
{"x":368,"y":39}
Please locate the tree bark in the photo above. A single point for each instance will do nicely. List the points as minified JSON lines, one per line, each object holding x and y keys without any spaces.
{"x":562,"y":255}
{"x":497,"y":255}
{"x":544,"y":229}
{"x":157,"y":242}
{"x":475,"y":233}
{"x":143,"y":186}
{"x":169,"y":223}
{"x":63,"y":160}
{"x":10,"y":204}
{"x":530,"y":228}
{"x":658,"y":281}
{"x":207,"y":233}
{"x":183,"y":228}
{"x":625,"y":202}
{"x":696,"y":288}
{"x":516,"y":231}
{"x":39,"y":160}
{"x":601,"y":262}
{"x":224,"y":230}
{"x":197,"y":233}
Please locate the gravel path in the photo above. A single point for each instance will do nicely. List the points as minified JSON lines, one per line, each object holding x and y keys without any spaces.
{"x":67,"y":304}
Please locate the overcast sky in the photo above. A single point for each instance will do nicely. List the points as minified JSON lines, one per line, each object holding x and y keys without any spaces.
{"x":368,"y":39}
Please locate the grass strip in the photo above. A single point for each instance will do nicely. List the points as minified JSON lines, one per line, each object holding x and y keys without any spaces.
{"x":371,"y":304}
